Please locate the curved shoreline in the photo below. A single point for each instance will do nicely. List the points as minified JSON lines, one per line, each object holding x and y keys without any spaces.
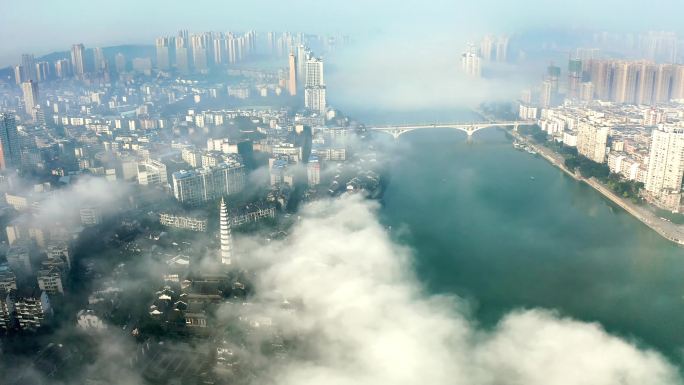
{"x":668,"y":230}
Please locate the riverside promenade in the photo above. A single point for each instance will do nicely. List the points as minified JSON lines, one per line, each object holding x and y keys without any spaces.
{"x":668,"y":230}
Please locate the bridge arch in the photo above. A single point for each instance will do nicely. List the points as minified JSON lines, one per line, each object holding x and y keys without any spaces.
{"x":468,"y":128}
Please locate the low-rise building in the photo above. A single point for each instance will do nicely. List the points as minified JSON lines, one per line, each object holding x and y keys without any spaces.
{"x":183,"y":222}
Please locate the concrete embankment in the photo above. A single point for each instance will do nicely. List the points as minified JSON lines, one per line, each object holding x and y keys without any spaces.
{"x":666,"y":229}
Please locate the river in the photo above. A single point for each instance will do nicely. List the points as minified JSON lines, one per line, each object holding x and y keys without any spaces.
{"x":507,"y":230}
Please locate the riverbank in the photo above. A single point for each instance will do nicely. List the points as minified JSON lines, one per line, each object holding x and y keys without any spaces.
{"x":666,"y":229}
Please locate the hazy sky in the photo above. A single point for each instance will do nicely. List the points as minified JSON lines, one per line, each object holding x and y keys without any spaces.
{"x":41,"y":26}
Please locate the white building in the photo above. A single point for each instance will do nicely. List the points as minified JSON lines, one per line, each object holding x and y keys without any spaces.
{"x":471,"y":64}
{"x":183,"y":222}
{"x":315,"y":99}
{"x":314,"y":86}
{"x":570,"y":138}
{"x":591,"y":141}
{"x":202,"y":185}
{"x":526,"y":112}
{"x":152,"y":173}
{"x":88,"y":320}
{"x":666,"y":166}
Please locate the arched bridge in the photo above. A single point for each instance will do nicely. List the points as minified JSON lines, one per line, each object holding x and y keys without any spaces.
{"x":469,"y":128}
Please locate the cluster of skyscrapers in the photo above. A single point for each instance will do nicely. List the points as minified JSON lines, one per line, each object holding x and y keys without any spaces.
{"x":619,"y":81}
{"x":635,"y":82}
{"x":471,"y":63}
{"x":202,"y":51}
{"x":306,"y":71}
{"x":491,"y":49}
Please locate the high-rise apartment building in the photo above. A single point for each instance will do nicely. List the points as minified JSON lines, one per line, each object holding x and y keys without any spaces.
{"x":203,"y":185}
{"x":502,"y":49}
{"x":313,"y":171}
{"x":292,"y":78}
{"x":487,"y":48}
{"x":303,"y":56}
{"x":200,"y":45}
{"x":220,"y":49}
{"x":546,"y":94}
{"x":44,"y":71}
{"x":152,"y":173}
{"x":315,"y":99}
{"x":315,"y":91}
{"x":18,"y":74}
{"x":183,"y":52}
{"x":30,"y":92}
{"x":63,"y":68}
{"x":494,"y":48}
{"x":574,"y":77}
{"x":162,"y":45}
{"x":470,"y":63}
{"x":120,"y":62}
{"x":78,"y":60}
{"x":99,"y":60}
{"x":666,"y":166}
{"x":591,"y":141}
{"x":586,"y":91}
{"x":314,"y":73}
{"x":28,"y":66}
{"x":10,"y":154}
{"x":553,"y":73}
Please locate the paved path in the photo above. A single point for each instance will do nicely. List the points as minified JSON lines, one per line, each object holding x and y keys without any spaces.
{"x":666,"y":229}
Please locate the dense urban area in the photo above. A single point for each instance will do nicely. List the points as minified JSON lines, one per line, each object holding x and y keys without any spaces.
{"x":135,"y":177}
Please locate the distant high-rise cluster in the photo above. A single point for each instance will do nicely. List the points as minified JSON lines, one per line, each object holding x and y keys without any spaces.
{"x":493,"y":48}
{"x":471,"y":62}
{"x":202,"y":51}
{"x":636,"y":82}
{"x":659,"y":46}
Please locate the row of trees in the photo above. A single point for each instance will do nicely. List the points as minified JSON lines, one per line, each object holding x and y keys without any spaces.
{"x":586,"y":167}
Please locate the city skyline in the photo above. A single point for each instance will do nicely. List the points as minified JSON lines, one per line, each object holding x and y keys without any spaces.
{"x":443,"y":17}
{"x":342,"y":193}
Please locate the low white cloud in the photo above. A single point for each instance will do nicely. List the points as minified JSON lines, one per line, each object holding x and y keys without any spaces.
{"x":366,"y":319}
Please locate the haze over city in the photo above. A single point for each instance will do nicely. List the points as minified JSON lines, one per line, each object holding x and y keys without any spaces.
{"x":342,"y":192}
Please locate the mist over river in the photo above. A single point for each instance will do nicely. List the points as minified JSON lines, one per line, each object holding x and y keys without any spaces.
{"x":507,"y":230}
